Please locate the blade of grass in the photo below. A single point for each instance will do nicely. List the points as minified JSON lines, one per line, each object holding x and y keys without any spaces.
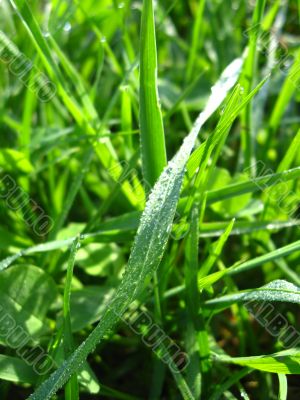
{"x":272,"y":255}
{"x":285,"y":163}
{"x":178,"y":377}
{"x":251,"y":186}
{"x":247,"y":265}
{"x":289,"y":87}
{"x":234,"y":378}
{"x":222,"y":129}
{"x":286,"y":362}
{"x":216,"y":252}
{"x":152,"y":135}
{"x":71,"y":388}
{"x":283,"y":387}
{"x":291,"y":154}
{"x":151,"y":124}
{"x":126,"y":118}
{"x":218,"y":136}
{"x":247,"y":80}
{"x":193,"y":370}
{"x":197,"y":39}
{"x":282,"y":264}
{"x":278,"y":290}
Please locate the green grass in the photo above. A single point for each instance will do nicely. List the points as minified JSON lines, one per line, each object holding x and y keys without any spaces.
{"x":166,"y":165}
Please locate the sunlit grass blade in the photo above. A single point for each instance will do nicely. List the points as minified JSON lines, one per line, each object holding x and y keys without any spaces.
{"x":209,"y":280}
{"x":126,"y":117}
{"x":284,"y":362}
{"x":283,"y":387}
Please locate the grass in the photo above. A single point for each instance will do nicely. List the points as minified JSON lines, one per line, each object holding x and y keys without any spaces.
{"x":150,"y":228}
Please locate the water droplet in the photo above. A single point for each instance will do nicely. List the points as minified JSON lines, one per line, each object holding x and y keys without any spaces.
{"x":67,"y":27}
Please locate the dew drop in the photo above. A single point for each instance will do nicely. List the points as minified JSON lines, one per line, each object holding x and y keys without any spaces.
{"x":67,"y":27}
